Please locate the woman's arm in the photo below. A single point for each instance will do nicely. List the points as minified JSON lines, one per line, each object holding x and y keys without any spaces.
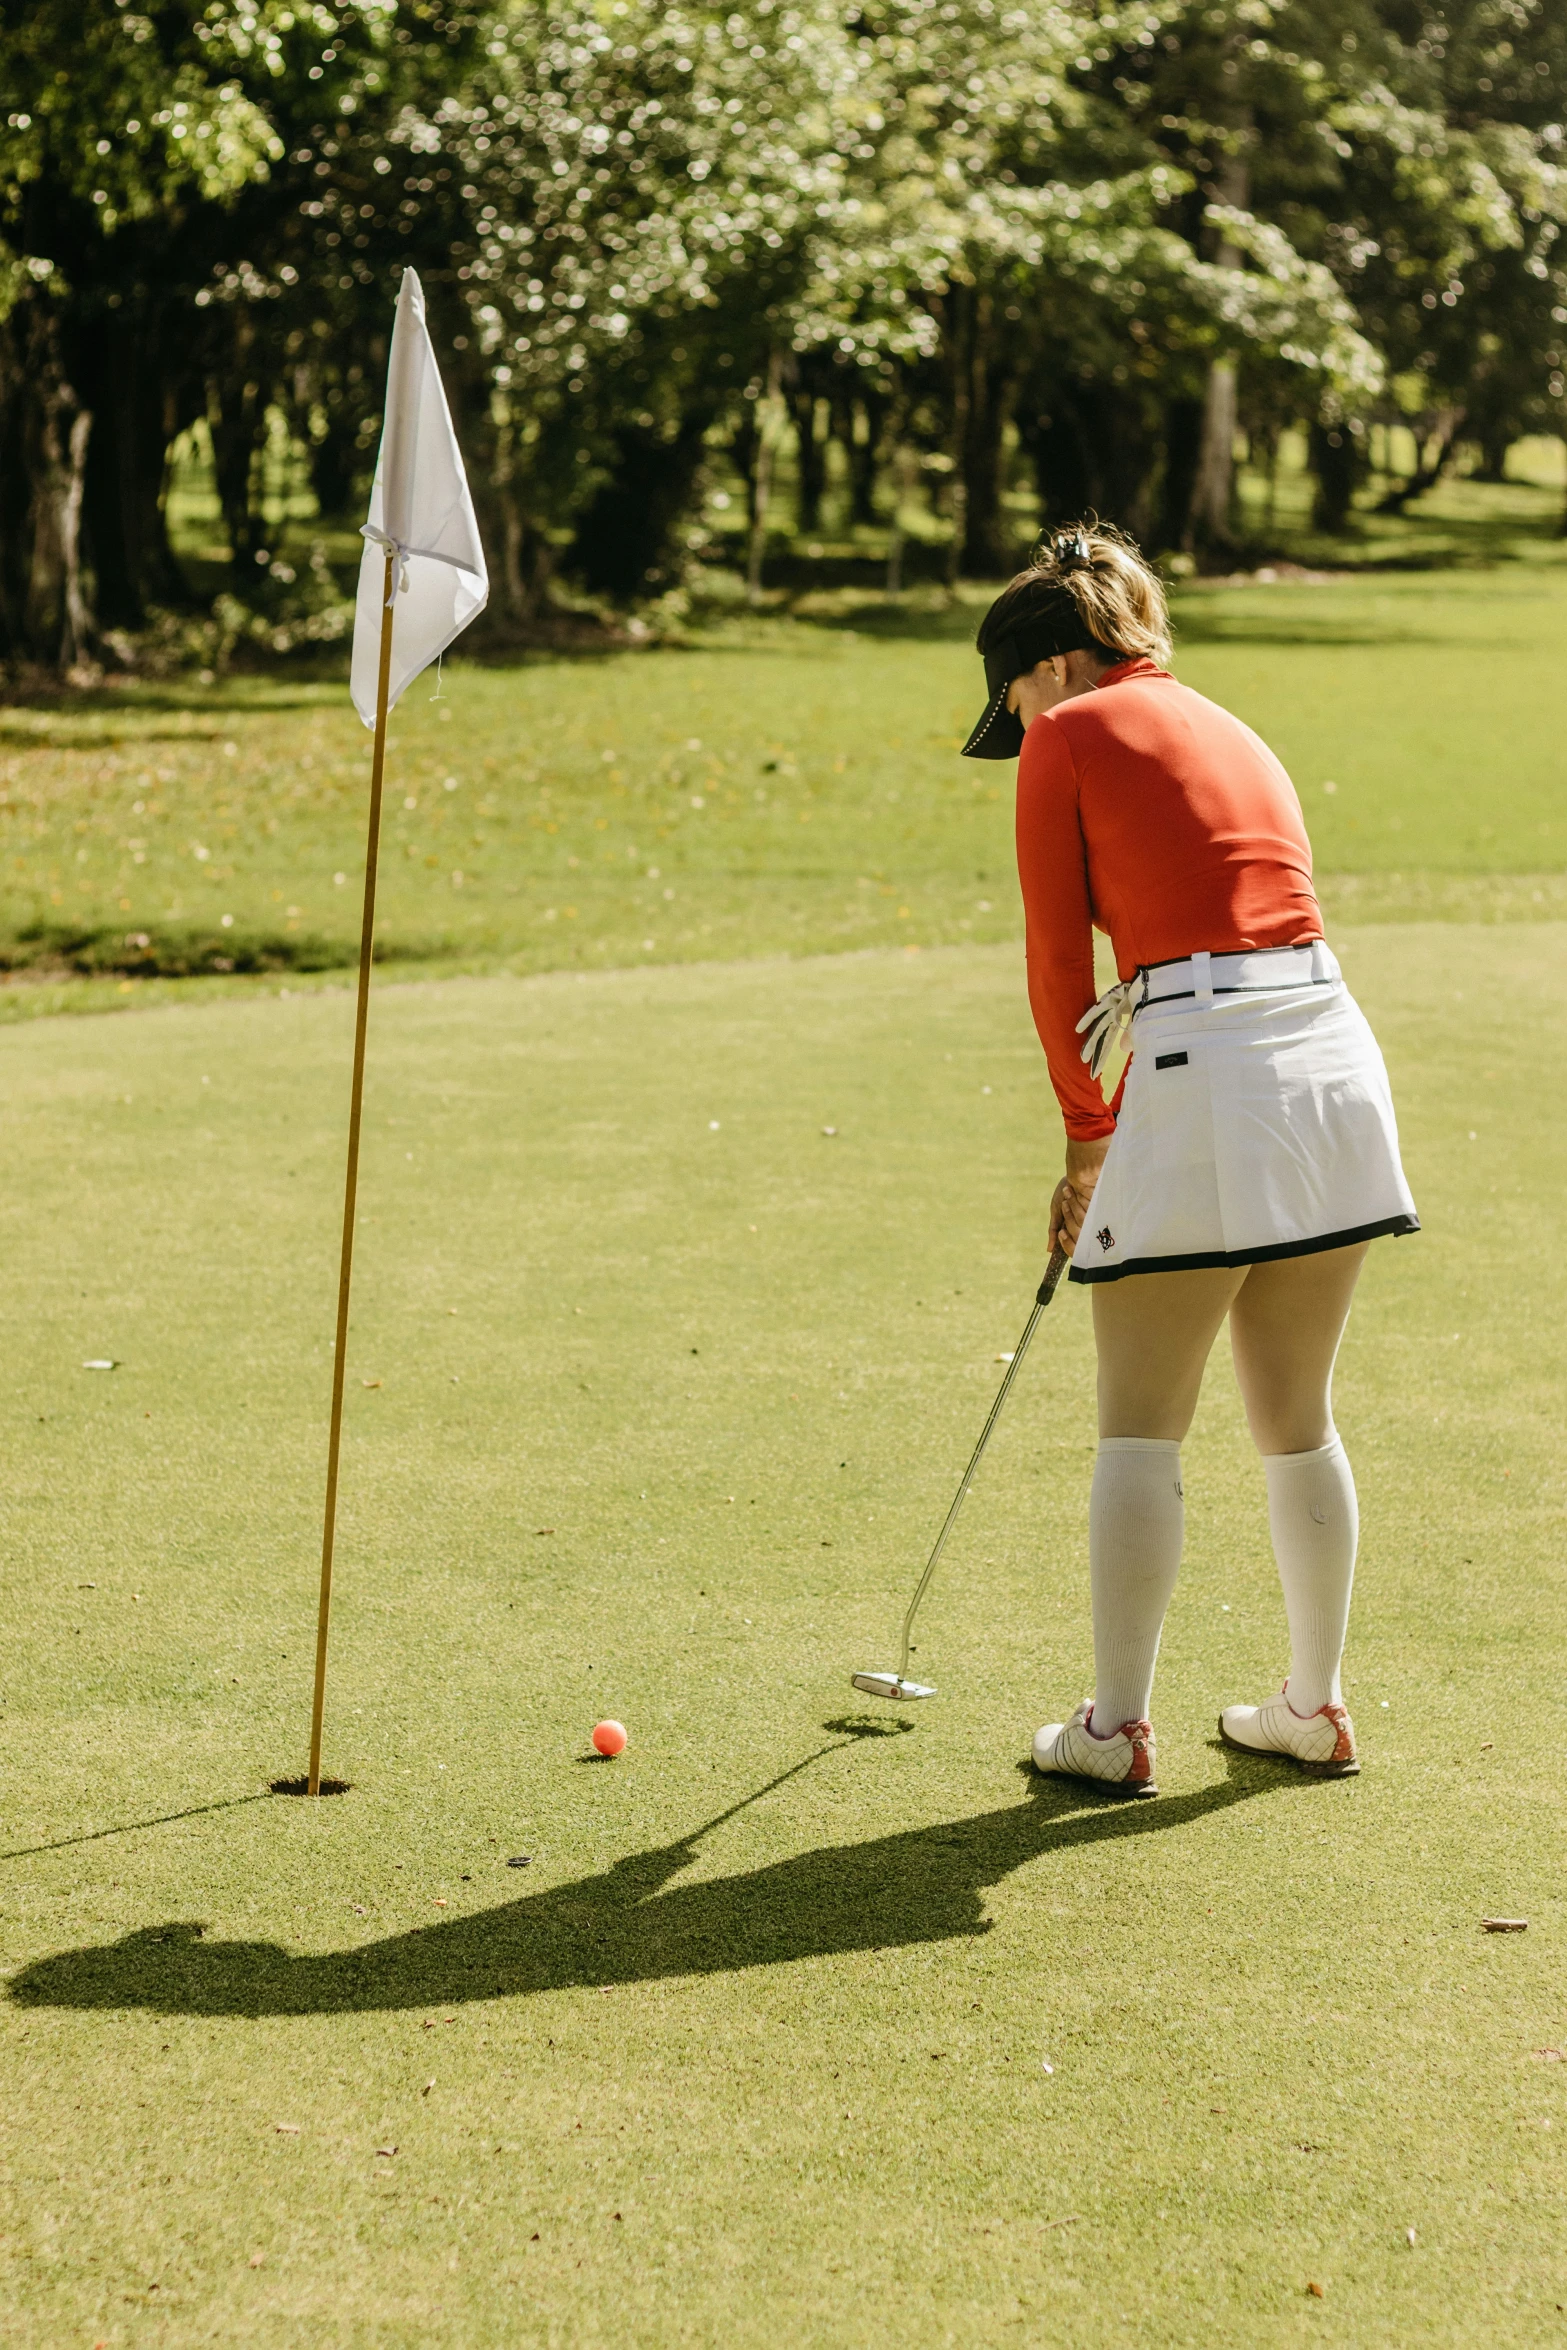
{"x":1052,"y":864}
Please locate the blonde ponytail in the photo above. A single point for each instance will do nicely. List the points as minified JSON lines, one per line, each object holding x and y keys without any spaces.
{"x":1119,"y":597}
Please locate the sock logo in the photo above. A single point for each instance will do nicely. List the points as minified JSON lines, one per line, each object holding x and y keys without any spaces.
{"x":1105,"y":1237}
{"x":1319,"y":1513}
{"x":1180,"y":1490}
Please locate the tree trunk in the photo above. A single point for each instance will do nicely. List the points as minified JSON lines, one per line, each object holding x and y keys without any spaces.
{"x":1265,"y":442}
{"x":237,"y":421}
{"x":17,"y":392}
{"x":983,"y":377}
{"x":1063,"y":465}
{"x":1200,"y":481}
{"x":336,"y":467}
{"x":1211,"y":519}
{"x":527,"y":557}
{"x":143,"y":398}
{"x":905,"y":477}
{"x":867,"y":460}
{"x":503,"y":495}
{"x":325,"y":420}
{"x":1430,"y":464}
{"x":957,"y":481}
{"x":744,"y":443}
{"x":768,"y":426}
{"x":625,"y":543}
{"x":811,"y":461}
{"x":988,"y":546}
{"x":57,"y":625}
{"x":1094,"y":448}
{"x":857,"y":420}
{"x":1214,"y":487}
{"x":76,"y":621}
{"x":1183,"y":422}
{"x":1335,"y":460}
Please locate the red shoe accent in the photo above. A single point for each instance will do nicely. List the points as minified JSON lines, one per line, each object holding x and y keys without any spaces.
{"x":1140,"y":1734}
{"x":1344,"y":1750}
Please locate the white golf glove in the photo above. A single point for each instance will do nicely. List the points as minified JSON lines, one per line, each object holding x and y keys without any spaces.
{"x":1106,"y":1029}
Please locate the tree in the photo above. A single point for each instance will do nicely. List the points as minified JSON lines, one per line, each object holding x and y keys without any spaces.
{"x":120,"y":126}
{"x":1096,"y":235}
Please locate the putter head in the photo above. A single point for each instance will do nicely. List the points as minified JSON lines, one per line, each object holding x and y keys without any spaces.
{"x":890,"y":1685}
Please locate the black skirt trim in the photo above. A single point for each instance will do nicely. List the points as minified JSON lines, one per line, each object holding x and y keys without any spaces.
{"x":1397,"y":1226}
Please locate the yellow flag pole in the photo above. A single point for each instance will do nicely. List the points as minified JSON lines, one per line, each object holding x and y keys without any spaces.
{"x":351,"y":1182}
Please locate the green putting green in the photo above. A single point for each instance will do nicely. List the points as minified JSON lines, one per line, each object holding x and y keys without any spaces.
{"x":804,"y":2018}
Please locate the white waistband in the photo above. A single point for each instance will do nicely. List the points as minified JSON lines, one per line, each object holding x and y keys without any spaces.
{"x":1197,"y":979}
{"x":1200,"y":977}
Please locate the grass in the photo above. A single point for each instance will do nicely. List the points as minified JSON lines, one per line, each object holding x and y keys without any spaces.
{"x":784,"y":786}
{"x":1462,"y":521}
{"x":656,"y":1393}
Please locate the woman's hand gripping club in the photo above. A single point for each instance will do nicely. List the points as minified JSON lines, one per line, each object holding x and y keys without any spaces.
{"x":1069,"y":1201}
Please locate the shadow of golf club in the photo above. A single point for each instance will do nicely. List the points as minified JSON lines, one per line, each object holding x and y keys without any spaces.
{"x":629,"y":1924}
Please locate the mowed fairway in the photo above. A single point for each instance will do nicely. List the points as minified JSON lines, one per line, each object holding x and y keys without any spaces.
{"x":779,"y":787}
{"x":803,"y":2022}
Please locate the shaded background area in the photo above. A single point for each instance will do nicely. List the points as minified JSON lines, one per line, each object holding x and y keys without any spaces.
{"x":735,"y":302}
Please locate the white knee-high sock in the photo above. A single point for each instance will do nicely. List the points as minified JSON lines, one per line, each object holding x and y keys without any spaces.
{"x":1136,"y":1524}
{"x":1315,"y":1522}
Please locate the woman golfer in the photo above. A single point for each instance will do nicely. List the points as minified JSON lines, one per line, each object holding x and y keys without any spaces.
{"x":1246,"y":1160}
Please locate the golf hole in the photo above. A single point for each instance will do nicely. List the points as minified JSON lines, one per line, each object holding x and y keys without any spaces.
{"x":302,"y":1786}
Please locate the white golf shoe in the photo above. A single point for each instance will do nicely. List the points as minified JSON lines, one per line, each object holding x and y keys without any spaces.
{"x":1322,"y":1743}
{"x":1122,"y":1765}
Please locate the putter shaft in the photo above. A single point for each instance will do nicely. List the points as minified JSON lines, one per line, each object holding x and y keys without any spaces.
{"x":1047,"y":1290}
{"x":898,"y":1685}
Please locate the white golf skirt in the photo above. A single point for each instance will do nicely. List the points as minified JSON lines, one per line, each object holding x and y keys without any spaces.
{"x":1257,"y":1122}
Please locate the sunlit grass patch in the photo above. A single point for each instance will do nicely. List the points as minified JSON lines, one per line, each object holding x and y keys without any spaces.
{"x":781,"y":786}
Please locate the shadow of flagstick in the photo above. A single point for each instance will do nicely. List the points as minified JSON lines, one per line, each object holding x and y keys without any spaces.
{"x":164,"y":1820}
{"x":628,"y":1924}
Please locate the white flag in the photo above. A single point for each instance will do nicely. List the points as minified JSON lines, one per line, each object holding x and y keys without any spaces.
{"x":420,"y":507}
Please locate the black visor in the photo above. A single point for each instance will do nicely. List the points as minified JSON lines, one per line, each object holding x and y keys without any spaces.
{"x":1035,"y":638}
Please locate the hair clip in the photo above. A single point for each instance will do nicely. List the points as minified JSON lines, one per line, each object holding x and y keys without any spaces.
{"x":1071,"y":550}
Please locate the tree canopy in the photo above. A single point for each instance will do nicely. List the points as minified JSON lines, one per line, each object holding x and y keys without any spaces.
{"x":1103,"y":237}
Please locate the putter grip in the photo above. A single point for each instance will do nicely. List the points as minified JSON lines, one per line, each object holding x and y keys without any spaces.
{"x":1053,"y":1273}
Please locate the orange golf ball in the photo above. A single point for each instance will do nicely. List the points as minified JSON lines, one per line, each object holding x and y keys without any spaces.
{"x":610,"y":1737}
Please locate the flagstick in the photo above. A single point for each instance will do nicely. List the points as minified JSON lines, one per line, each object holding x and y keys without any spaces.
{"x":351,"y":1184}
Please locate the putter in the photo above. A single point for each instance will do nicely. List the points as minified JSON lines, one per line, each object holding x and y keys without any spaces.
{"x":897,"y":1685}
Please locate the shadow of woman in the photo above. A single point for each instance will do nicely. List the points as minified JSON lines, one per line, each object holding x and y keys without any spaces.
{"x":631,"y":1924}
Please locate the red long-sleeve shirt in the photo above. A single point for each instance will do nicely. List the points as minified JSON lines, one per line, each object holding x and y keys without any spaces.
{"x":1146,"y":811}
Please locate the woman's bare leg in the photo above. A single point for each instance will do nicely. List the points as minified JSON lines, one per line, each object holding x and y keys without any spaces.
{"x":1154,"y":1332}
{"x":1285,"y":1328}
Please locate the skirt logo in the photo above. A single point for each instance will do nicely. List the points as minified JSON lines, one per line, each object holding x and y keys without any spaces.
{"x":1105,"y":1237}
